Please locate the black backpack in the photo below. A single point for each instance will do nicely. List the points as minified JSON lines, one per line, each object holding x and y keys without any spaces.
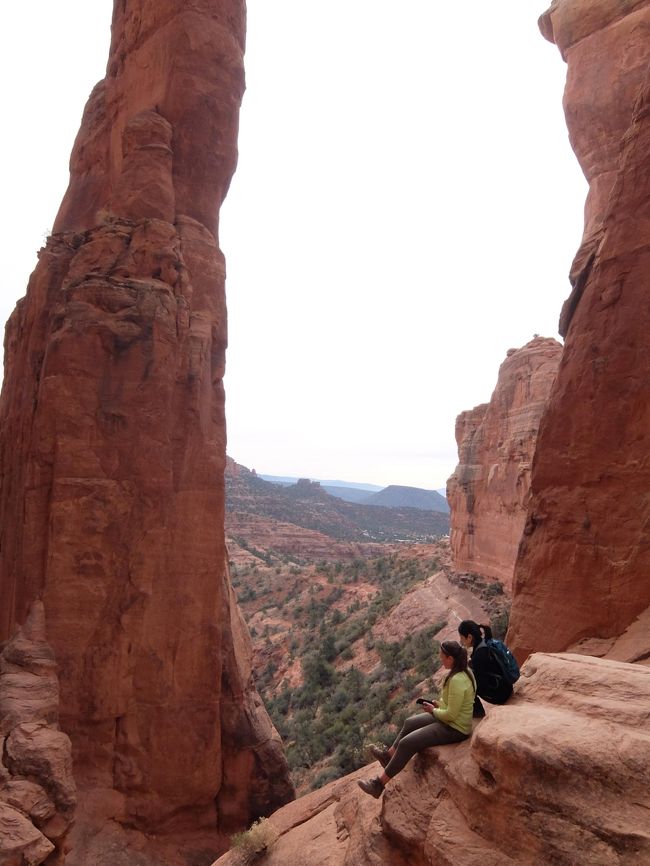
{"x":503,"y":659}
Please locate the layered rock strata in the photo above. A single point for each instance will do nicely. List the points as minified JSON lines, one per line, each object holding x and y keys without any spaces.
{"x":584,"y":563}
{"x":112,"y":436}
{"x":37,"y":789}
{"x":559,"y":775}
{"x":488,"y":492}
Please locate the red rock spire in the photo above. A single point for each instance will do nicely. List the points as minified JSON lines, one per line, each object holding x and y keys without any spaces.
{"x":584,"y":563}
{"x":112,"y":434}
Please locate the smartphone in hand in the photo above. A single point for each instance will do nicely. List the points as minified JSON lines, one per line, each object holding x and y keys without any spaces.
{"x":426,"y":701}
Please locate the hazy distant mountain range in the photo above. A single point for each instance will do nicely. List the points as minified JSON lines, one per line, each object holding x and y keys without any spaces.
{"x":393,"y":496}
{"x":310,"y":505}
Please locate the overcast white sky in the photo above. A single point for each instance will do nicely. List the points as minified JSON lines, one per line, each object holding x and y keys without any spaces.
{"x":405,"y":210}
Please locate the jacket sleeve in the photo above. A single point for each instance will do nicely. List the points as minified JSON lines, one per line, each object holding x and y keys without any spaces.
{"x":482,"y":668}
{"x":455,"y":699}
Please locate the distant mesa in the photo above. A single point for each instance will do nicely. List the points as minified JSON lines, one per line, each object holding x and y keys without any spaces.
{"x":309,"y":505}
{"x":286,"y":480}
{"x":393,"y":496}
{"x":360,"y":495}
{"x":396,"y":496}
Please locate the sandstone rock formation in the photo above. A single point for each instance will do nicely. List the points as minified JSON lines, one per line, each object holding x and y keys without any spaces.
{"x":37,"y":790}
{"x":112,"y":436}
{"x":583,"y":566}
{"x":488,"y":492}
{"x":559,"y":775}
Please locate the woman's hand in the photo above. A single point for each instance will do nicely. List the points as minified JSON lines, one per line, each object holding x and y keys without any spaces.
{"x":429,"y":706}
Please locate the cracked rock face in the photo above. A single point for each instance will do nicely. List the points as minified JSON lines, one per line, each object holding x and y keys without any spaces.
{"x":112,"y":443}
{"x":489,"y":490}
{"x":583,"y":565}
{"x":38,"y":794}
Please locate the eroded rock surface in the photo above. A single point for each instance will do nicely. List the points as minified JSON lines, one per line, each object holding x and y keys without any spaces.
{"x":585,"y":559}
{"x":488,"y":492}
{"x":559,"y":775}
{"x":37,"y":789}
{"x":112,"y":443}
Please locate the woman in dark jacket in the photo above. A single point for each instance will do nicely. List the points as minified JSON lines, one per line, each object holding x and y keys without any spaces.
{"x":490,"y":682}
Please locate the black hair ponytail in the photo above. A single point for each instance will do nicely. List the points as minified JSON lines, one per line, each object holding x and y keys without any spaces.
{"x":487,"y":632}
{"x":469,"y":627}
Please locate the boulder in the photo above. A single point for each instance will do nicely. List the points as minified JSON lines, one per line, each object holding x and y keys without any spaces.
{"x":21,"y":844}
{"x":37,"y":789}
{"x":42,"y":753}
{"x":558,"y":775}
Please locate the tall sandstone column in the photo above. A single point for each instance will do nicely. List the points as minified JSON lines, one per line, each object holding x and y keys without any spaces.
{"x":112,"y":434}
{"x":584,"y":562}
{"x":489,"y":490}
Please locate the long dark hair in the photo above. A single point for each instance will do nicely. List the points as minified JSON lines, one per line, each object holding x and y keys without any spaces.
{"x":478,"y":632}
{"x":459,"y":655}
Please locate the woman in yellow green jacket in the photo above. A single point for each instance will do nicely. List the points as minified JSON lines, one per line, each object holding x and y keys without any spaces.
{"x":448,"y":720}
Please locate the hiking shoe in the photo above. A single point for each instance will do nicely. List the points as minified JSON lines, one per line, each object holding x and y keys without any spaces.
{"x":373,"y":787}
{"x":381,"y":754}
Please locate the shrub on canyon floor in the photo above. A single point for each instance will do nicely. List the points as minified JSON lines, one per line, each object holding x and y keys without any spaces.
{"x":255,"y":841}
{"x":325,"y":726}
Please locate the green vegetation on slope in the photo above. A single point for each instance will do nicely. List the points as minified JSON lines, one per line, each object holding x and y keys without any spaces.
{"x":328,"y":720}
{"x":329,"y":681}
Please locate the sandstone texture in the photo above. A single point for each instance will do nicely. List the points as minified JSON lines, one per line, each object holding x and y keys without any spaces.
{"x":488,"y":492}
{"x":584,"y":561}
{"x":557,"y":776}
{"x":37,"y":789}
{"x":112,"y":442}
{"x":632,"y":646}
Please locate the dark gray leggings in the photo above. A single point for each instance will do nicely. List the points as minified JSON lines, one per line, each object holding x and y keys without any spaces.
{"x":419,"y":732}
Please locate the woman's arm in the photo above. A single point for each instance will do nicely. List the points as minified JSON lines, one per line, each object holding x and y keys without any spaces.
{"x":455,"y":698}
